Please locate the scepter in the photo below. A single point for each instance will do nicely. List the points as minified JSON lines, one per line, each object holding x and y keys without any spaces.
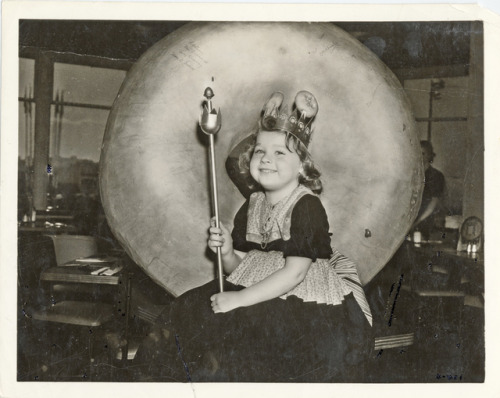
{"x":210,"y":123}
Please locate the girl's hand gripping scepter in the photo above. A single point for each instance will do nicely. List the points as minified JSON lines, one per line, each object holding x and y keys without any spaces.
{"x":210,"y":124}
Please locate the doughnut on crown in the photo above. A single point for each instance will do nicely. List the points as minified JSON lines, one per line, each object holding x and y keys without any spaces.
{"x":298,"y":122}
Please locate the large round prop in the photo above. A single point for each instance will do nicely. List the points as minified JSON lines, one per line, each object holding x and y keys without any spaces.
{"x":154,"y":179}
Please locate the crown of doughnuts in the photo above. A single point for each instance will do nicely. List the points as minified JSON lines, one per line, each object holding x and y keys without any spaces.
{"x":298,"y":122}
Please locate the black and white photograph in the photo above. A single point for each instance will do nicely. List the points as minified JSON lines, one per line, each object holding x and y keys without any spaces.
{"x":266,"y":200}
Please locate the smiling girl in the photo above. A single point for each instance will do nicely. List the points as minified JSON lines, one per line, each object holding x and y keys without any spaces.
{"x":286,"y":314}
{"x":276,"y":166}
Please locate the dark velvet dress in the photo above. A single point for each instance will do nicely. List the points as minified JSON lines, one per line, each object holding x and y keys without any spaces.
{"x":318,"y":332}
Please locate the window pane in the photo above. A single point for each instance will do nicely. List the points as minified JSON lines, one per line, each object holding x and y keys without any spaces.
{"x":75,"y":148}
{"x":26,"y":74}
{"x":78,"y":133}
{"x":87,"y":85}
{"x":26,"y":110}
{"x":418,"y":93}
{"x":422,"y":130}
{"x":450,"y":142}
{"x":452,"y":102}
{"x":454,"y":97}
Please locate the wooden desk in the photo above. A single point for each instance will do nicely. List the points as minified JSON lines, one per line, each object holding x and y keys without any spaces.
{"x":431,"y":259}
{"x":83,"y":275}
{"x":75,"y":274}
{"x":40,"y":226}
{"x":436,"y":250}
{"x":54,"y":216}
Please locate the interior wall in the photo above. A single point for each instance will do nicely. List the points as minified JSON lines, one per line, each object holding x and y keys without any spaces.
{"x":450,"y":134}
{"x":474,"y":178}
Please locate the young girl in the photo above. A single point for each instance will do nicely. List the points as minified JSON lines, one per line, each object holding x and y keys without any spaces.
{"x":286,"y":313}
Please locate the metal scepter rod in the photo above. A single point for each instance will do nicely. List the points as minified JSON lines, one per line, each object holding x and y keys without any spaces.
{"x":210,"y":124}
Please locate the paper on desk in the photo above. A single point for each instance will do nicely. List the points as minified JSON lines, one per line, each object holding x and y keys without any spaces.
{"x":107,"y":271}
{"x":112,"y":271}
{"x":99,"y":271}
{"x":104,"y":259}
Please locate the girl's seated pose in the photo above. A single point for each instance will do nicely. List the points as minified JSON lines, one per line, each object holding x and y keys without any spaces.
{"x":293,"y":309}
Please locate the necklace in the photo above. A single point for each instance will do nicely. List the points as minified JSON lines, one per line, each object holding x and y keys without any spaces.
{"x":268,"y":215}
{"x":266,"y":224}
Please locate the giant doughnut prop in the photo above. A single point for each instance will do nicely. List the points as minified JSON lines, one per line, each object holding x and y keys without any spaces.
{"x":154,"y":179}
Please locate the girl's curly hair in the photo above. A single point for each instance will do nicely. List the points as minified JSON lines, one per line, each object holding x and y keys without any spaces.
{"x":309,"y":178}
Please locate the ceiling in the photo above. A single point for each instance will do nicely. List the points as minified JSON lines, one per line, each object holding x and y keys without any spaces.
{"x":401,"y":45}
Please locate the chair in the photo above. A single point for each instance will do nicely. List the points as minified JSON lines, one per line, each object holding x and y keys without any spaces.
{"x":70,"y":247}
{"x":393,"y":321}
{"x":395,"y":327}
{"x":145,"y":312}
{"x":393,"y":341}
{"x":67,"y":311}
{"x":429,"y":298}
{"x":89,"y":315}
{"x":148,"y":300}
{"x":35,"y":254}
{"x":76,"y":313}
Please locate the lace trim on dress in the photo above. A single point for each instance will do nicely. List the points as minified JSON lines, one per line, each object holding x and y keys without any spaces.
{"x":268,"y":223}
{"x":321,"y":284}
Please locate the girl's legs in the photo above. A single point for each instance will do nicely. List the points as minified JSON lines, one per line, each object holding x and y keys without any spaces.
{"x":186,"y":342}
{"x":275,"y":341}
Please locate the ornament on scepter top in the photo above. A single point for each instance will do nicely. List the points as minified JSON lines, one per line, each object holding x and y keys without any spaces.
{"x":210,"y":119}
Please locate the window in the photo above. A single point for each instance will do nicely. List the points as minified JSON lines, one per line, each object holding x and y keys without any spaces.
{"x":443,"y":121}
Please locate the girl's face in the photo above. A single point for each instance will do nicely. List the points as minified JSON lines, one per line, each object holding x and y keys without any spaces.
{"x":275,"y":167}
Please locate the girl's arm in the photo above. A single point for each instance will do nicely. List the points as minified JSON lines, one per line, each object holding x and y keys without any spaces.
{"x":275,"y":285}
{"x":230,"y":261}
{"x":221,"y":237}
